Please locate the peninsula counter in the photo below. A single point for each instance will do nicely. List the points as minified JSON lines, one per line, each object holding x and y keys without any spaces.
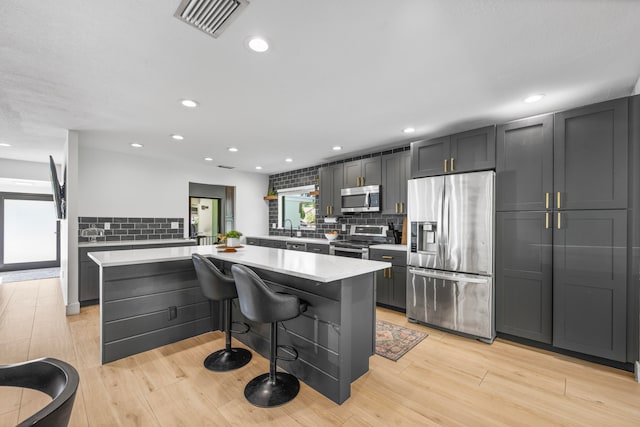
{"x":151,"y":297}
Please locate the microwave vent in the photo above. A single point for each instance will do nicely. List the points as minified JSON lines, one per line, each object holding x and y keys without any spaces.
{"x":209,"y":16}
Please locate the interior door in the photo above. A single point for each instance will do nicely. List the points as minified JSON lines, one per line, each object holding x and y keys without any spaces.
{"x":29,"y":232}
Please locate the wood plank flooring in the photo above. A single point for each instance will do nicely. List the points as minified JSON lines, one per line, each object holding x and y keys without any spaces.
{"x":445,"y":380}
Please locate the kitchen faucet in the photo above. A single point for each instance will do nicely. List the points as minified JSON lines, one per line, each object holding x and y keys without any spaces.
{"x":290,"y":226}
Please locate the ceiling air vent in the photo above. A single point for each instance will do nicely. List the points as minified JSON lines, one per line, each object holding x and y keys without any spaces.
{"x":210,"y":16}
{"x":226,"y":167}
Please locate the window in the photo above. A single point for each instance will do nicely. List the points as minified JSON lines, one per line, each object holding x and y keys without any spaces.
{"x":298,"y":206}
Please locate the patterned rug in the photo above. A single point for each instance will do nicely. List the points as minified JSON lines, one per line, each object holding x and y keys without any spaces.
{"x":393,"y":341}
{"x":22,"y":275}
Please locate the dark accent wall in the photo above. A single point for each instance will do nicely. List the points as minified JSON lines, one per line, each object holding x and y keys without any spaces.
{"x":126,"y":229}
{"x":309,"y":176}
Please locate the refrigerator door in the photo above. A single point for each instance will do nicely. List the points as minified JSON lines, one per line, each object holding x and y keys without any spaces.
{"x":468,"y":222}
{"x":424,"y":215}
{"x":459,"y":302}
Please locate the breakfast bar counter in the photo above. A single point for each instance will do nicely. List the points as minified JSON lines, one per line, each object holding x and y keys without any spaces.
{"x":151,"y":297}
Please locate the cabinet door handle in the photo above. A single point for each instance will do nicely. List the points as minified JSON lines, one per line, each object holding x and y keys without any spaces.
{"x":558,"y":200}
{"x":452,"y":168}
{"x":331,"y":210}
{"x":389,"y":275}
{"x":546,"y":200}
{"x":559,"y":216}
{"x":546,"y":220}
{"x":401,"y":207}
{"x":362,"y":180}
{"x":384,"y":273}
{"x":445,"y":165}
{"x":387,"y":257}
{"x":396,"y":207}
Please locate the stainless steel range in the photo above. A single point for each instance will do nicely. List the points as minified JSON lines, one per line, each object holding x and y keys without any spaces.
{"x":356,"y":243}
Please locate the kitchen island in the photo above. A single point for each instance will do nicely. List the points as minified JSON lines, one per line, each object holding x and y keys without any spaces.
{"x":151,"y":297}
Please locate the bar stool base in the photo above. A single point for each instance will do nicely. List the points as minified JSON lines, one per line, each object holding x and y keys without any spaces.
{"x":225,"y":360}
{"x":261,"y":392}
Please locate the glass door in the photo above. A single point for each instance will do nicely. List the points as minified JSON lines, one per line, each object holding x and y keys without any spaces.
{"x":29,"y":232}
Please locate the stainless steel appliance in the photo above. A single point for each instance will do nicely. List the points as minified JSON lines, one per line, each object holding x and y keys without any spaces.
{"x":357,"y":242}
{"x":360,"y":199}
{"x":450,"y":253}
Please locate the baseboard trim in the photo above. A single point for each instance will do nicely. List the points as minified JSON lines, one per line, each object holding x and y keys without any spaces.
{"x":637,"y":370}
{"x":73,"y":308}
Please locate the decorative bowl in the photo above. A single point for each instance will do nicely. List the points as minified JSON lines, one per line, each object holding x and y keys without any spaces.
{"x":331,"y":236}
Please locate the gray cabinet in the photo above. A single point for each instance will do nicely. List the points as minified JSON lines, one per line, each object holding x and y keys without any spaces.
{"x":461,"y":152}
{"x":589,"y":282}
{"x":524,"y":166}
{"x":331,"y":178}
{"x":396,"y":171}
{"x":362,"y":172}
{"x":524,"y":274}
{"x":391,"y":283}
{"x":591,"y":155}
{"x":318,"y":248}
{"x":268,"y":243}
{"x":253,"y":241}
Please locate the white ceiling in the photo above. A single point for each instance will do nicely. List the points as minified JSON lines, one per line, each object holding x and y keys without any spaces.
{"x":352,"y":73}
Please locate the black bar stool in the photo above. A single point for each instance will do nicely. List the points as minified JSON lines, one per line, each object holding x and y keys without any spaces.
{"x":261,"y":304}
{"x":218,"y":287}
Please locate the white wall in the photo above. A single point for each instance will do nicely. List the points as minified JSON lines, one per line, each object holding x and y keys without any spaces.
{"x":119,"y":185}
{"x":69,"y":228}
{"x":35,"y":173}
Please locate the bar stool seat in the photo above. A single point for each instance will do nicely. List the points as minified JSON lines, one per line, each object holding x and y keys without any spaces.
{"x":216,"y":286}
{"x":259,"y":303}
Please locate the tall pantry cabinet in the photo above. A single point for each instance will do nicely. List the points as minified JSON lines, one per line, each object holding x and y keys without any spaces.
{"x":562,"y":229}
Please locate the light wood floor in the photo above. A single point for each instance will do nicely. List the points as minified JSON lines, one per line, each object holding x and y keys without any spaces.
{"x":445,"y":380}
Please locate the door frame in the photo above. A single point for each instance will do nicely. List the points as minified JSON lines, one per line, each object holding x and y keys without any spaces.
{"x":26,"y":265}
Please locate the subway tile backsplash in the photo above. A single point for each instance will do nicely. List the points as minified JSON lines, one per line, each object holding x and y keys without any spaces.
{"x":309,"y":176}
{"x":136,"y":228}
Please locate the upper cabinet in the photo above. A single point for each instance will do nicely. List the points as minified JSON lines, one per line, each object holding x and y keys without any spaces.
{"x":330,"y":185}
{"x":362,"y":172}
{"x":396,"y":171}
{"x":462,"y":152}
{"x":590,"y":156}
{"x":524,"y":167}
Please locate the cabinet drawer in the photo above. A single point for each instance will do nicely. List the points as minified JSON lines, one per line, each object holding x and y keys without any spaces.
{"x":317,"y":248}
{"x":394,"y":257}
{"x":253,"y":241}
{"x":279,"y":244}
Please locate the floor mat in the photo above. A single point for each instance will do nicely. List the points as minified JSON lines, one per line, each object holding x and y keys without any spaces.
{"x":394,"y":341}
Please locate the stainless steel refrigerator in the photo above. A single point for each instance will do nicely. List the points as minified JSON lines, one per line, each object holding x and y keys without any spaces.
{"x":450,"y":253}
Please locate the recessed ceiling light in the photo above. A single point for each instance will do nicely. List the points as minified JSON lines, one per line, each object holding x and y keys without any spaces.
{"x":136,"y":145}
{"x":408,"y":130}
{"x":533,"y":98}
{"x":258,"y":44}
{"x":288,"y":160}
{"x":232,"y":149}
{"x":4,"y":144}
{"x":208,"y":159}
{"x":337,"y":148}
{"x":259,"y":167}
{"x":190,"y":103}
{"x":177,"y":137}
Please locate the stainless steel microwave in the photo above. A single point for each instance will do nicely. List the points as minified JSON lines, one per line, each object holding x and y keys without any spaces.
{"x":360,"y":199}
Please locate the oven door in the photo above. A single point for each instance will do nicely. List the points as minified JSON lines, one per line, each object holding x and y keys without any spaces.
{"x":362,"y":253}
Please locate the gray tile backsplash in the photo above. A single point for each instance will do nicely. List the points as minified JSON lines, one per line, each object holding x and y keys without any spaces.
{"x":309,"y":176}
{"x":124,"y":229}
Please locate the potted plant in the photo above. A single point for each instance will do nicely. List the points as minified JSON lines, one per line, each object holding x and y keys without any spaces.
{"x":233,"y":238}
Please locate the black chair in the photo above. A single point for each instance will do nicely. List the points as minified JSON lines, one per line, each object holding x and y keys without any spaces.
{"x":216,"y":286}
{"x":261,"y":304}
{"x":54,"y":377}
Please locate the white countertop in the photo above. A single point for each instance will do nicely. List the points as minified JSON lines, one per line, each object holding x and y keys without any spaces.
{"x":134,"y":242}
{"x":321,"y":268}
{"x":388,"y":247}
{"x":294,"y":239}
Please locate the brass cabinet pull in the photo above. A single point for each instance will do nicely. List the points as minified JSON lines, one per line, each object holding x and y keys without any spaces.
{"x":387,"y":257}
{"x":362,"y":180}
{"x":384,"y":273}
{"x":452,"y":168}
{"x":546,"y":201}
{"x":397,"y":210}
{"x":401,"y":207}
{"x":331,"y":209}
{"x":559,"y":216}
{"x":558,"y":200}
{"x":546,"y":220}
{"x":326,"y":210}
{"x":445,"y":165}
{"x":389,"y":275}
